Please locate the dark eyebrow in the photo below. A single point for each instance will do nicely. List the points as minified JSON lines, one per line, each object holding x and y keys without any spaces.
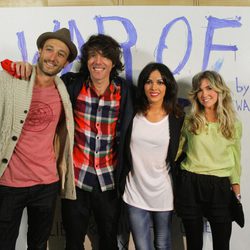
{"x":59,"y":51}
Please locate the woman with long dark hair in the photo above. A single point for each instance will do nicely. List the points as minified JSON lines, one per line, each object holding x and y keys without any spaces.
{"x":152,"y":144}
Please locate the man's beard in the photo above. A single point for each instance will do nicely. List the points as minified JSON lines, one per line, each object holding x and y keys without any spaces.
{"x":46,"y":72}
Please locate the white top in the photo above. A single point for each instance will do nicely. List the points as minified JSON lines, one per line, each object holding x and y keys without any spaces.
{"x":148,"y":184}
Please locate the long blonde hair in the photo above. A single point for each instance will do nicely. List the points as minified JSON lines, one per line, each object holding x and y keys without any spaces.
{"x":225,"y":111}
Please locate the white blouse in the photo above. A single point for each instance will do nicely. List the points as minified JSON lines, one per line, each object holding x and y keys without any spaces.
{"x":148,"y":184}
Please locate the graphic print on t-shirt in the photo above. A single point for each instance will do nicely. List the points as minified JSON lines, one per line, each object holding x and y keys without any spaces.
{"x":39,"y":117}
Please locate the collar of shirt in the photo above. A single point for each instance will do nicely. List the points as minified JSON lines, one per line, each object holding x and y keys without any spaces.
{"x":113,"y":88}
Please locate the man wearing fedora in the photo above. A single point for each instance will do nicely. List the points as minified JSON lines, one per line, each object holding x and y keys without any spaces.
{"x":36,"y":135}
{"x":103,"y":107}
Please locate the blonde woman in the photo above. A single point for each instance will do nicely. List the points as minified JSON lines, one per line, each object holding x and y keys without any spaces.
{"x":211,"y":169}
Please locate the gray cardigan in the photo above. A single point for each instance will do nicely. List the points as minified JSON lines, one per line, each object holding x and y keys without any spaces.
{"x":15,"y":100}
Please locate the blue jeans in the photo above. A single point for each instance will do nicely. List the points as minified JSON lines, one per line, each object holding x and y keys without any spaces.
{"x":141,"y":221}
{"x":40,"y":201}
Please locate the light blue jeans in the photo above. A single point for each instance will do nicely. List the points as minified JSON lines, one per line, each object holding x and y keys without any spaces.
{"x":142,"y":222}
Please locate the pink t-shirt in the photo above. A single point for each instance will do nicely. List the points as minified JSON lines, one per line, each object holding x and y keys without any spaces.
{"x":33,"y":161}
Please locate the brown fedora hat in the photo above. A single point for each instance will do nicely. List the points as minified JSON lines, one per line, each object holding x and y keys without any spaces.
{"x":62,"y":35}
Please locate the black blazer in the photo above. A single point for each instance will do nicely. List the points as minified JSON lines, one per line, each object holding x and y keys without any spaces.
{"x":175,"y":125}
{"x":74,"y":83}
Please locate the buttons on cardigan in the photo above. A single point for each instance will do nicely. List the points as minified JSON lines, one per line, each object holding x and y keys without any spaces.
{"x":25,"y":111}
{"x":14,"y":138}
{"x":21,"y":121}
{"x":4,"y":160}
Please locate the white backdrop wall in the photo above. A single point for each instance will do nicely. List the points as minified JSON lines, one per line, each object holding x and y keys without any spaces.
{"x":187,"y":39}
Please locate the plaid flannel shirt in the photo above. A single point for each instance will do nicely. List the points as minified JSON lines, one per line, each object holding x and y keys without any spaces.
{"x":96,"y":137}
